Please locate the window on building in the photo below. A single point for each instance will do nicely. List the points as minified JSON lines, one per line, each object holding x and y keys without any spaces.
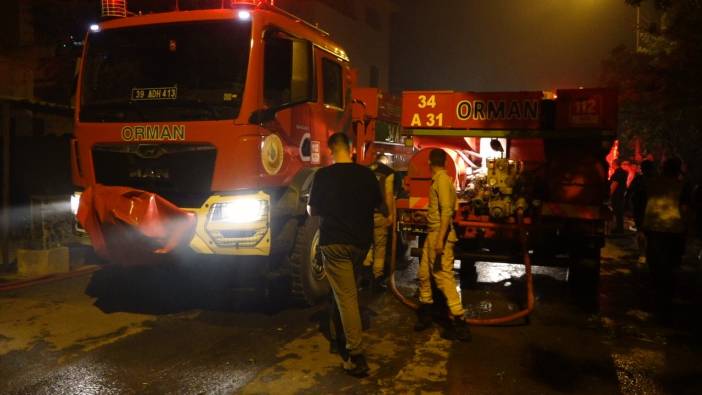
{"x":374,"y":76}
{"x":333,"y":84}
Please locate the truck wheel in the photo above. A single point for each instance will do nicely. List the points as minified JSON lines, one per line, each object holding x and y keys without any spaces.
{"x":309,"y":282}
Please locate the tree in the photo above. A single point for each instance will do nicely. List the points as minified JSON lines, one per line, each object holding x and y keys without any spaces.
{"x":660,"y":90}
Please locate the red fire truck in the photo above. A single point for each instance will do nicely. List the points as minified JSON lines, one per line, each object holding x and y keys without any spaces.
{"x":199,"y":131}
{"x":530,"y":169}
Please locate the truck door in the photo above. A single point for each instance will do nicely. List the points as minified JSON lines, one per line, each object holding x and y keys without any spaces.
{"x":288,"y":83}
{"x":331,"y":117}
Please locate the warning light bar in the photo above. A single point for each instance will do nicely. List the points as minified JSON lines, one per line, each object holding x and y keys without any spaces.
{"x":114,"y":8}
{"x":252,"y":2}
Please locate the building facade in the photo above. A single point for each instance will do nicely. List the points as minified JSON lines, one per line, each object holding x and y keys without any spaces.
{"x":361,"y":27}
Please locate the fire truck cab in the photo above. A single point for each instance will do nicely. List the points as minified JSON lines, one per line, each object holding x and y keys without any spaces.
{"x":224,"y":113}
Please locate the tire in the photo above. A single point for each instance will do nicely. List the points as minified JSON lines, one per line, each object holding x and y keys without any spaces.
{"x":309,"y":282}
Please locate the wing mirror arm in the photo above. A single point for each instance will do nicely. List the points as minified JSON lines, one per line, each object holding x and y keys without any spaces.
{"x":262,"y":116}
{"x":265,"y":115}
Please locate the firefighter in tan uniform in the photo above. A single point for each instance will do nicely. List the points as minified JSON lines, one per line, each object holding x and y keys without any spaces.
{"x":383,"y":218}
{"x":437,"y":253}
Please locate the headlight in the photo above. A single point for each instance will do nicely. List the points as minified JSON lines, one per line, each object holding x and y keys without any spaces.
{"x":75,"y":202}
{"x":240,"y":211}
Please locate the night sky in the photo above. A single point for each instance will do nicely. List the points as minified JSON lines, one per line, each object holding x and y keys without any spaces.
{"x":506,"y":44}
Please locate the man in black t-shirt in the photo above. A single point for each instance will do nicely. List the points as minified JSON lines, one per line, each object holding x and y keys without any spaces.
{"x":345,"y":196}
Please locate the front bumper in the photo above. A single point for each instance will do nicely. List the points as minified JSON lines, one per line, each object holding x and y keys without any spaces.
{"x":244,"y":230}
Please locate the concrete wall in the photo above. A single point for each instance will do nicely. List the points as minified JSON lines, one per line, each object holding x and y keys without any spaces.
{"x":16,"y":23}
{"x":39,"y":150}
{"x":39,"y":166}
{"x":16,"y":78}
{"x":16,"y":61}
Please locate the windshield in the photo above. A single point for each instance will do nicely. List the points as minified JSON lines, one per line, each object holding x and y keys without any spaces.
{"x":184,"y":71}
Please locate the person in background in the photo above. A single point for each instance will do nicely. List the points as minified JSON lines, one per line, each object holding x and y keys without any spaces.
{"x":617,"y":192}
{"x":383,"y":218}
{"x":345,"y":195}
{"x":437,"y":252}
{"x":665,"y":227}
{"x":638,"y":195}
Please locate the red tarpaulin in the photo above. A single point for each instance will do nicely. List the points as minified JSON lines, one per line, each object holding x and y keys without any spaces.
{"x":124,"y":222}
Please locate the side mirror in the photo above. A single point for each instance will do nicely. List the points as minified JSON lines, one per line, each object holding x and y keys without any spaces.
{"x":262,"y":115}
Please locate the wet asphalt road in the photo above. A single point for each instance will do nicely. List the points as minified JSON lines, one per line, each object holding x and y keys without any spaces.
{"x":190,"y":331}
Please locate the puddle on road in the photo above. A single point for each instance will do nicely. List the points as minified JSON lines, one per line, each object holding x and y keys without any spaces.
{"x":497,"y":272}
{"x":84,"y":378}
{"x":495,"y":288}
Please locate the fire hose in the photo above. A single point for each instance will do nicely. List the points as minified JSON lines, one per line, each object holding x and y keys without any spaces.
{"x":524,"y":313}
{"x":20,"y":284}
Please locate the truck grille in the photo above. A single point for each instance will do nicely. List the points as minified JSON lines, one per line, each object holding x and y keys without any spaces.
{"x":180,"y":173}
